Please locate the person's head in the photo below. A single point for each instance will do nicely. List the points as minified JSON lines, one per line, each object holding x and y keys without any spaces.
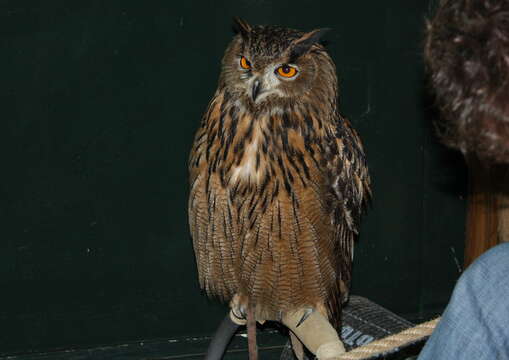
{"x":467,"y":54}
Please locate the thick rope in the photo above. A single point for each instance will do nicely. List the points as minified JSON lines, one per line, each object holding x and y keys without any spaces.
{"x":400,"y":339}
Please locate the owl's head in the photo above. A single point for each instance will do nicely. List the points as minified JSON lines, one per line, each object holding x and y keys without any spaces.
{"x":268,"y":65}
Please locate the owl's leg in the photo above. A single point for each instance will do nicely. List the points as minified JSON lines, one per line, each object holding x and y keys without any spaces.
{"x":315,"y":332}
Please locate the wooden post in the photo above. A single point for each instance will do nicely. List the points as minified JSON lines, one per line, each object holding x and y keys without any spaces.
{"x":483,"y":211}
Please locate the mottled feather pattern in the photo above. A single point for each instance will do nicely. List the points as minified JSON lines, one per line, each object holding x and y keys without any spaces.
{"x":276,"y":196}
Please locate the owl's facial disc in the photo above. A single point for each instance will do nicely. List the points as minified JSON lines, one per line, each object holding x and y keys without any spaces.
{"x":264,"y":83}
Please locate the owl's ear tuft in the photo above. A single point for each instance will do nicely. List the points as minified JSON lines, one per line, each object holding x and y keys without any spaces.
{"x":302,"y":45}
{"x":241,"y":27}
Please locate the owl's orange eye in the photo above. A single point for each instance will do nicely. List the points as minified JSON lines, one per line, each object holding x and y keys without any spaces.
{"x":286,"y":71}
{"x":244,"y":63}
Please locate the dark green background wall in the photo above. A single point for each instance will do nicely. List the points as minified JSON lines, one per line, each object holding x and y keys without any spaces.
{"x":99,"y":103}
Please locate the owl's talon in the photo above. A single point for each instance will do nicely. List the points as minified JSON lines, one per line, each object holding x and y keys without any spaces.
{"x":306,"y":314}
{"x":243,"y":311}
{"x":238,"y":312}
{"x":237,"y":318}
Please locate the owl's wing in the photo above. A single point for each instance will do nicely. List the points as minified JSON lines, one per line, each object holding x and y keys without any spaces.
{"x":351,"y":183}
{"x":350,"y":192}
{"x":210,"y":217}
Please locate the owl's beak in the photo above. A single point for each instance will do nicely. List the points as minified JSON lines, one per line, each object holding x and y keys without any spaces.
{"x":256,"y":90}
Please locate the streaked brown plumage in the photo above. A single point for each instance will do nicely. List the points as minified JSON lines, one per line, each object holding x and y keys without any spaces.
{"x":278,"y":179}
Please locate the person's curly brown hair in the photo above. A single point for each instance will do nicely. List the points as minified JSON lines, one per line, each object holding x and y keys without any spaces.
{"x":467,"y":54}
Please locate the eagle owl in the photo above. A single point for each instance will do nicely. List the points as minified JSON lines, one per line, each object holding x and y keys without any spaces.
{"x":278,"y":178}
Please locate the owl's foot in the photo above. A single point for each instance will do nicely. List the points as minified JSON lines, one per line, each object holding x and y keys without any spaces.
{"x":237,"y":317}
{"x":315,"y":332}
{"x":238,"y":310}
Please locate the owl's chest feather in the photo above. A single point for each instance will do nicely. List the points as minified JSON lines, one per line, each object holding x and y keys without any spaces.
{"x":275,"y":151}
{"x":250,"y":164}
